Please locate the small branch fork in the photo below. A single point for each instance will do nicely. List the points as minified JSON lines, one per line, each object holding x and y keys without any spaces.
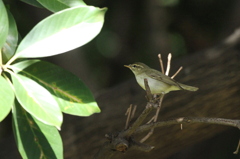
{"x":123,"y":140}
{"x":155,"y":117}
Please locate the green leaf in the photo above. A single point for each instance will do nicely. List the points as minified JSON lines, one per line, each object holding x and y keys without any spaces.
{"x":6,"y":98}
{"x":33,"y":3}
{"x":61,"y":32}
{"x":3,"y":24}
{"x":35,"y":139}
{"x":53,"y":5}
{"x":37,"y":100}
{"x":70,"y":92}
{"x":73,"y":3}
{"x":10,"y":45}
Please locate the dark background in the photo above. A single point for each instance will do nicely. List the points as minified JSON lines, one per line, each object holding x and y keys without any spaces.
{"x":138,"y":30}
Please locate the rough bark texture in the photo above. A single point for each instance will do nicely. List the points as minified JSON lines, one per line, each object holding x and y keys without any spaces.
{"x":217,"y":74}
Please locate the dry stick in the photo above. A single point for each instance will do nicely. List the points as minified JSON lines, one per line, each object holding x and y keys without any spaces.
{"x":133,"y":112}
{"x":183,"y":120}
{"x":181,"y":125}
{"x":128,"y":113}
{"x":168,"y":64}
{"x":177,"y":72}
{"x":237,"y":150}
{"x":144,"y":114}
{"x":159,"y":107}
{"x":151,"y":120}
{"x":161,"y":63}
{"x":161,"y":97}
{"x":154,"y":119}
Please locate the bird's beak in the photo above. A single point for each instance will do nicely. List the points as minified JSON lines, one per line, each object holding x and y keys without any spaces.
{"x":127,"y":66}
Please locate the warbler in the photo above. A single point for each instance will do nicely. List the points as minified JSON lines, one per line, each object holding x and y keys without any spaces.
{"x":157,"y":81}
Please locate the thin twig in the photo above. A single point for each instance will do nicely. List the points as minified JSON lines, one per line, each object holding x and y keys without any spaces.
{"x":161,"y":63}
{"x":161,"y":97}
{"x":128,"y":113}
{"x":138,"y":122}
{"x":133,"y":112}
{"x":144,"y":114}
{"x":147,"y":136}
{"x":159,"y":107}
{"x":177,"y":72}
{"x":154,"y":119}
{"x":238,"y":147}
{"x":182,"y":120}
{"x":168,"y":64}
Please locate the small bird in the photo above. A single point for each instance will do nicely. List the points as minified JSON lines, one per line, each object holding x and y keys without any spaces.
{"x":157,"y":81}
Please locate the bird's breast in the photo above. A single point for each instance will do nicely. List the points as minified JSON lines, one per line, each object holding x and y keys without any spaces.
{"x":156,"y":86}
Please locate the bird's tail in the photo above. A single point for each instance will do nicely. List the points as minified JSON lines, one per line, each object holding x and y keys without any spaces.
{"x":188,"y":88}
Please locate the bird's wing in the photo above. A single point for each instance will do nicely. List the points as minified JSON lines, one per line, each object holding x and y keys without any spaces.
{"x":161,"y":77}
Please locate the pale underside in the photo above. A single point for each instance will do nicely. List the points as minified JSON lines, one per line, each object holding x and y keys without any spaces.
{"x":156,"y":86}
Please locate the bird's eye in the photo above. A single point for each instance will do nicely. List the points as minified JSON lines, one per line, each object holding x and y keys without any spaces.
{"x":134,"y":66}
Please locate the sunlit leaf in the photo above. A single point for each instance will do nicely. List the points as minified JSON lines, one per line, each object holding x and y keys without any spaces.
{"x":35,"y":139}
{"x":10,"y":45}
{"x":37,"y":100}
{"x":73,"y":3}
{"x":61,"y":32}
{"x":53,"y":5}
{"x":6,"y":98}
{"x":3,"y":24}
{"x":70,"y":92}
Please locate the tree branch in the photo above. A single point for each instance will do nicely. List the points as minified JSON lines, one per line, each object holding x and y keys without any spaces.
{"x":184,"y":120}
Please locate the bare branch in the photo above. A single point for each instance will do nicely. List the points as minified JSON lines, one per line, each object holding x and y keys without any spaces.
{"x":144,"y":114}
{"x":133,"y":112}
{"x":128,"y":113}
{"x":161,"y":63}
{"x":154,"y":119}
{"x":168,"y":64}
{"x":138,"y":122}
{"x":182,"y":120}
{"x":147,"y":136}
{"x":237,"y":150}
{"x":177,"y":72}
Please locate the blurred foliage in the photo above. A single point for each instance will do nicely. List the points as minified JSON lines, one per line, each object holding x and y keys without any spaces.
{"x":139,"y":30}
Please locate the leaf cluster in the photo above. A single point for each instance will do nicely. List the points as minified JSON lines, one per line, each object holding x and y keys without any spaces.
{"x":38,"y":92}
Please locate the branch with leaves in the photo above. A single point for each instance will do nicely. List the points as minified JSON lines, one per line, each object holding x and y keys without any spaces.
{"x":38,"y":92}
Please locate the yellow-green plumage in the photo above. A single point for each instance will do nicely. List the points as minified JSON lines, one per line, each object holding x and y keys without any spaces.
{"x":157,"y":81}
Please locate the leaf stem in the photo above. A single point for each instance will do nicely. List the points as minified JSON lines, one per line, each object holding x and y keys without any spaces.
{"x":10,"y":61}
